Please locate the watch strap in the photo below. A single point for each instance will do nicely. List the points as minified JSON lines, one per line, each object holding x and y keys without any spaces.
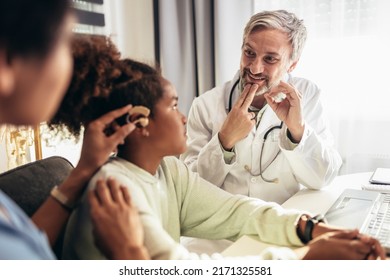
{"x":310,"y":224}
{"x":62,"y":199}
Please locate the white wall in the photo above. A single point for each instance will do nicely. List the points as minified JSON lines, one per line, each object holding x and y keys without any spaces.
{"x":130,"y":25}
{"x":231,"y":17}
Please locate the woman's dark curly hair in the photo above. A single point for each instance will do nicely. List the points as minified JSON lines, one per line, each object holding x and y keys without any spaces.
{"x":94,"y":65}
{"x":102,"y":82}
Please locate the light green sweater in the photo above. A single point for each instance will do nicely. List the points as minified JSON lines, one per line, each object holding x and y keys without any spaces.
{"x":178,"y":202}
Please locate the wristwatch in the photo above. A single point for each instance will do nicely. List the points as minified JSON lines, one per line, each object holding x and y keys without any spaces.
{"x":62,"y":199}
{"x":310,"y":223}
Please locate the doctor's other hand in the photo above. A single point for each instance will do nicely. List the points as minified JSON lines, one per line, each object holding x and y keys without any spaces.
{"x":97,"y":146}
{"x":289,"y":110}
{"x":239,"y":121}
{"x":117,"y":229}
{"x":342,"y":245}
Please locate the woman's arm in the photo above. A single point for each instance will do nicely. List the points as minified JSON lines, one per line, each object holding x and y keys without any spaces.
{"x":52,"y":216}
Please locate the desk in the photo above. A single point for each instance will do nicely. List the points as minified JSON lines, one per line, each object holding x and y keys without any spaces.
{"x":312,"y":201}
{"x":318,"y":202}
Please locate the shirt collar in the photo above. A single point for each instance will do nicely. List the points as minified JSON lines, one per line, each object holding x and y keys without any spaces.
{"x":141,"y":173}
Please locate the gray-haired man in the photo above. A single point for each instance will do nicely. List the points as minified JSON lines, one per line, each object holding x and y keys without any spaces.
{"x":263,"y":134}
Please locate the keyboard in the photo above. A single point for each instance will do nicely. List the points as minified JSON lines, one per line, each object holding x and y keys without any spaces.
{"x":378,"y":225}
{"x":376,"y":187}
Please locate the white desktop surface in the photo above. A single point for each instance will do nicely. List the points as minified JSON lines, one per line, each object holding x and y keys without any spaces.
{"x":312,"y":201}
{"x":319,"y":201}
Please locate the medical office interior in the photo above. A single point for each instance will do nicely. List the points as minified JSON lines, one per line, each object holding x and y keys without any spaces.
{"x":197,"y":44}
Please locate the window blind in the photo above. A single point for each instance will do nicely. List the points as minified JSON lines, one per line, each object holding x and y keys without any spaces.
{"x":90,"y":15}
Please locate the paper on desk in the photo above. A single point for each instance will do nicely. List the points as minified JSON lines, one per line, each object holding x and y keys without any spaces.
{"x":381,"y":176}
{"x":245,"y":246}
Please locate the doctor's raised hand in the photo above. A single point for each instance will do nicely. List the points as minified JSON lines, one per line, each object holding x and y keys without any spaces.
{"x":288,"y":109}
{"x":239,"y":121}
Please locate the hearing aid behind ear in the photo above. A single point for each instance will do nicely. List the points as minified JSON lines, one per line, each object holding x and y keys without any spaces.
{"x":138,"y":115}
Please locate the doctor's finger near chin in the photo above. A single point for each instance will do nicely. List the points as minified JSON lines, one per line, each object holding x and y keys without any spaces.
{"x":239,"y":121}
{"x":239,"y":111}
{"x":247,"y":96}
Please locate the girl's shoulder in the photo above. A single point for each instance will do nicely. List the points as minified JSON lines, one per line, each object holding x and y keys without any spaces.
{"x":173,"y":164}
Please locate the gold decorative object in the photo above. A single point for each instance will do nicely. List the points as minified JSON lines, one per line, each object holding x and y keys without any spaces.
{"x":16,"y":142}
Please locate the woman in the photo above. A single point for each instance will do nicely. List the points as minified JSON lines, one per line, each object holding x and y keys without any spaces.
{"x":174,"y":201}
{"x":35,"y":70}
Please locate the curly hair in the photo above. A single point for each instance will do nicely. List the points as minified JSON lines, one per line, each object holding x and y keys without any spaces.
{"x":102,"y":82}
{"x":138,"y":84}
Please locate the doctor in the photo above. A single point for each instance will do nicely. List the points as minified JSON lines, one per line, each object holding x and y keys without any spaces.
{"x":263,"y":133}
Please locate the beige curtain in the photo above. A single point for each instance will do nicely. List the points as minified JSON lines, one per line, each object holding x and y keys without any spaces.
{"x":185,"y":46}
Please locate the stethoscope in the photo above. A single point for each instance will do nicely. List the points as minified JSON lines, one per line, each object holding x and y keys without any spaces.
{"x":247,"y":168}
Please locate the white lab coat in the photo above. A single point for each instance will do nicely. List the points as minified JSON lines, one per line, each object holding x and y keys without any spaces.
{"x":313,"y":162}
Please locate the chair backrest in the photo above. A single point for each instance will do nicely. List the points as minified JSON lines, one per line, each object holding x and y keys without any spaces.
{"x":29,"y":185}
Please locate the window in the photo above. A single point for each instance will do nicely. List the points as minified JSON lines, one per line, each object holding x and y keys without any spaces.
{"x":347,"y":56}
{"x":90,"y":15}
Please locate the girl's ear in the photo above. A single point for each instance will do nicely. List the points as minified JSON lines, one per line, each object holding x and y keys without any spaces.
{"x":140,"y":132}
{"x":7,"y":77}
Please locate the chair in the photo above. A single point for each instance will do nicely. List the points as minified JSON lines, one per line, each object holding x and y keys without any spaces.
{"x":29,"y":185}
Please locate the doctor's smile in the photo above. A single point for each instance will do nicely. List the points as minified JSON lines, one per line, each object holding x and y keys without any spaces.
{"x":259,"y":79}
